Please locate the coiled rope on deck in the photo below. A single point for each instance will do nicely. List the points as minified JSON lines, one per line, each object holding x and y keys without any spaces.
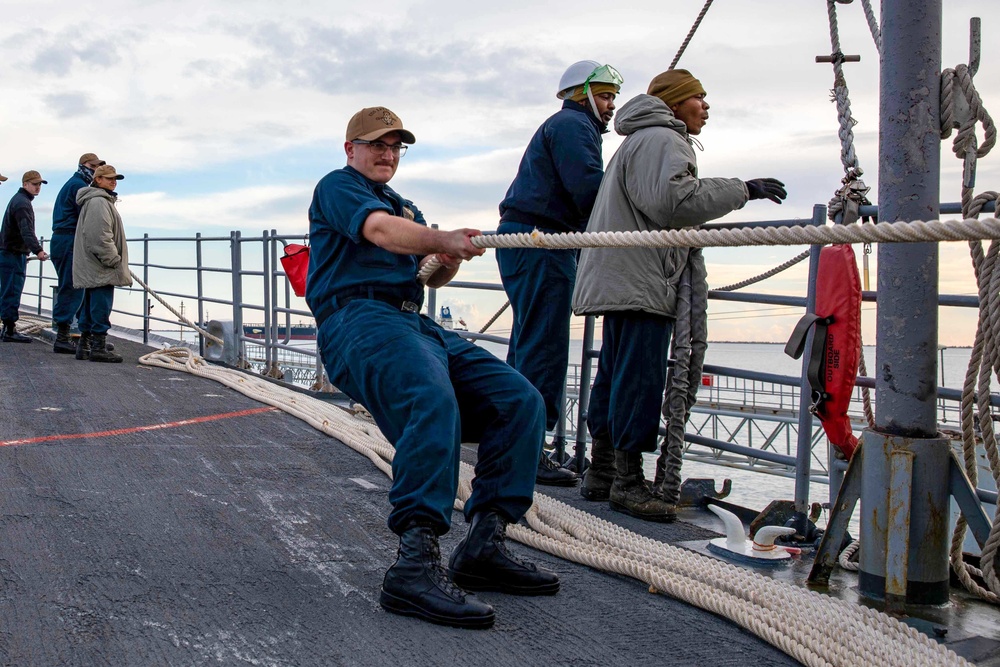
{"x":815,"y":629}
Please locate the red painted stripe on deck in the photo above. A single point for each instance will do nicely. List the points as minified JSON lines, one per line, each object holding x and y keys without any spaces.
{"x":138,"y":429}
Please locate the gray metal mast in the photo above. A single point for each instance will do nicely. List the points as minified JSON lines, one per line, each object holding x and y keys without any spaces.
{"x":905,"y":494}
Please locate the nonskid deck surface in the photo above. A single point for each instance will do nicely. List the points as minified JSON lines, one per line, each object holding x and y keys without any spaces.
{"x":234,"y":535}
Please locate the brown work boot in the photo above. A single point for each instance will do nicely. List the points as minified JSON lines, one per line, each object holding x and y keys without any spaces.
{"x":64,"y":344}
{"x":99,"y":350}
{"x":601,"y":473}
{"x":83,"y":346}
{"x":631,"y":495}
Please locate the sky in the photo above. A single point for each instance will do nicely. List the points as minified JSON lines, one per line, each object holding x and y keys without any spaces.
{"x":224,"y":114}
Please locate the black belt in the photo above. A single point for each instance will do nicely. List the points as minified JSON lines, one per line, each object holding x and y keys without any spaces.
{"x":338,"y":302}
{"x":393,"y":300}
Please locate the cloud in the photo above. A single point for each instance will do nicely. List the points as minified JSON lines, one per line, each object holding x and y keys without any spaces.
{"x":281,"y":207}
{"x":68,"y":105}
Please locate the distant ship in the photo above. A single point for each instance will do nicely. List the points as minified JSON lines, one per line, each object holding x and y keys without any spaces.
{"x":300,"y":331}
{"x":446,"y":321}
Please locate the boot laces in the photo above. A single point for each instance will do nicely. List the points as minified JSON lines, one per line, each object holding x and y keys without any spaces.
{"x":447,"y":586}
{"x":549,"y":463}
{"x":500,"y":540}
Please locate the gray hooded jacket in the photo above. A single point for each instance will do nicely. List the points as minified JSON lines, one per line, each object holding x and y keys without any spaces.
{"x":100,"y":254}
{"x":651,"y":184}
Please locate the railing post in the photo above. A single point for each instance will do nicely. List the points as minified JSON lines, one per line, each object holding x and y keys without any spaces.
{"x":41,"y":282}
{"x":803,"y":448}
{"x":270,"y":328}
{"x":432,"y":296}
{"x":201,"y":291}
{"x":146,"y":305}
{"x":584,"y":392}
{"x":236,"y":255}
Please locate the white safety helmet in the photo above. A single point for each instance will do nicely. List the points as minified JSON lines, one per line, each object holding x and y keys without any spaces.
{"x":575,"y":75}
{"x":583,"y":73}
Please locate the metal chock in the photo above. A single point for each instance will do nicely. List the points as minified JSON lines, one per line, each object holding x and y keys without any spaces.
{"x":697,"y":492}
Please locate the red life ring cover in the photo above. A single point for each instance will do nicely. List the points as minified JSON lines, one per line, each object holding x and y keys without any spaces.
{"x":838,"y":294}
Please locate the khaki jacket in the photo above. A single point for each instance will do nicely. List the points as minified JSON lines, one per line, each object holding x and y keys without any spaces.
{"x":100,"y":254}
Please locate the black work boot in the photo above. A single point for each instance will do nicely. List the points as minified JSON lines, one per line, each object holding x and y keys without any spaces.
{"x":482,"y":562}
{"x":64,"y":344}
{"x":83,"y":346}
{"x":100,"y":352}
{"x":601,"y":473}
{"x":551,"y":473}
{"x":10,"y":334}
{"x":417,"y":585}
{"x":631,"y":495}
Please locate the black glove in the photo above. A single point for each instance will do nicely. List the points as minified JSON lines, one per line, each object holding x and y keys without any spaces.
{"x":767,"y":188}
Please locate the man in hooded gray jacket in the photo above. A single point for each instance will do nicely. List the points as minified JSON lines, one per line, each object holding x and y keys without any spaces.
{"x":100,"y":262}
{"x":651,"y":183}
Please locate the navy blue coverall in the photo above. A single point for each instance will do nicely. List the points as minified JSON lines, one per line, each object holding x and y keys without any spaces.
{"x":65,"y":215}
{"x":554,"y":190}
{"x":427,"y":388}
{"x":17,"y":241}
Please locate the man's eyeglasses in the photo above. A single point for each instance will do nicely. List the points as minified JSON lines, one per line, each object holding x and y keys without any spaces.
{"x":380,"y":147}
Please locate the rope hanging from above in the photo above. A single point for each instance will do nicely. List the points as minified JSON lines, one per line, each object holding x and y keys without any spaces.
{"x":694,"y":28}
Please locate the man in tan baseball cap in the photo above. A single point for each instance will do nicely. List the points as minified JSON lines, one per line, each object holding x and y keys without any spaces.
{"x":65,"y":215}
{"x":367,"y":245}
{"x":375,"y":122}
{"x":33,"y":177}
{"x":2,"y":178}
{"x":91,"y":160}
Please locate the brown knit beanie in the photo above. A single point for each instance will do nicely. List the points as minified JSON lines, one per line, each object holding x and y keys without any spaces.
{"x":596,"y":88}
{"x":675,"y":86}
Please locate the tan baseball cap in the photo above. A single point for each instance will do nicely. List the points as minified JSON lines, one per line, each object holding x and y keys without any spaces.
{"x":2,"y":178}
{"x":91,"y":157}
{"x":107,"y":171}
{"x":373,"y":122}
{"x":32,"y":177}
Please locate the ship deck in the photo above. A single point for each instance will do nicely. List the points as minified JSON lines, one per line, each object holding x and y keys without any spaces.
{"x":150,"y":517}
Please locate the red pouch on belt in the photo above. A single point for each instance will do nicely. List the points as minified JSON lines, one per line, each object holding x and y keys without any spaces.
{"x":295,"y":262}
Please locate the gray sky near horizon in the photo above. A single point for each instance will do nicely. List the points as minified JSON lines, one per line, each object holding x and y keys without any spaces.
{"x":223,"y":114}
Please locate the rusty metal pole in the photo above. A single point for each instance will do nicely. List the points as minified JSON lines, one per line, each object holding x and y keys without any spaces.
{"x":904,"y":493}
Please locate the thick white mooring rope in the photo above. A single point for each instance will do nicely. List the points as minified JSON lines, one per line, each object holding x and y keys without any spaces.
{"x":917,"y":231}
{"x":815,"y":629}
